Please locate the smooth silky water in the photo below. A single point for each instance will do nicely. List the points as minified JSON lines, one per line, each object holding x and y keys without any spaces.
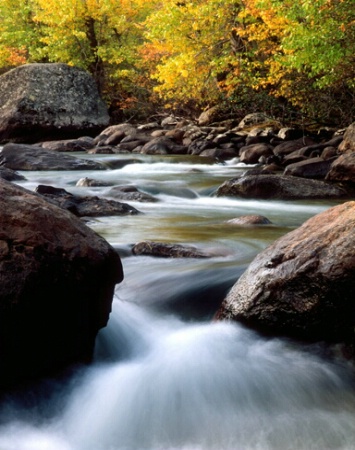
{"x":166,"y":376}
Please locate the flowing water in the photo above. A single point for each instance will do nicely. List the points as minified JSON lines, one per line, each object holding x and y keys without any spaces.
{"x":165,"y":375}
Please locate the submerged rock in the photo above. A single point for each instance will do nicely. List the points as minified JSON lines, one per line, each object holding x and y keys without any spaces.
{"x":57,"y":283}
{"x":131,"y":193}
{"x":167,"y":250}
{"x":303,"y":284}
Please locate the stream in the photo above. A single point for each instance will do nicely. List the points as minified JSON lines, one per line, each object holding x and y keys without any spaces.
{"x":165,"y":375}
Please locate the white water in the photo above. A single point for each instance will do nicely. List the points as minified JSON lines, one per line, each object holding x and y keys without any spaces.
{"x":166,"y":377}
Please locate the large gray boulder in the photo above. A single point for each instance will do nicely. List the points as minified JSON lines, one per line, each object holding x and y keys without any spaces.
{"x":302,"y":285}
{"x":57,"y":283}
{"x":49,"y":101}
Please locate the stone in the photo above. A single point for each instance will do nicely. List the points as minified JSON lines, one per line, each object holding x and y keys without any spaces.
{"x":281,"y":187}
{"x":57,"y":282}
{"x":253,"y":119}
{"x":33,"y":157}
{"x":115,"y":132}
{"x":131,"y":193}
{"x":69,"y":145}
{"x":288,"y":147}
{"x":162,"y":250}
{"x":343,"y":168}
{"x":10,"y":175}
{"x":208,"y":116}
{"x":250,"y":219}
{"x":129,"y":147}
{"x":251,"y":154}
{"x":49,"y":101}
{"x":84,"y":206}
{"x":315,"y":168}
{"x":289,"y":134}
{"x":91,"y":182}
{"x":303,"y":284}
{"x":162,"y":146}
{"x":348,"y":144}
{"x":329,"y":152}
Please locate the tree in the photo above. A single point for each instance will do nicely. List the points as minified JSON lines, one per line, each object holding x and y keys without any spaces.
{"x":188,"y":45}
{"x":196,"y":52}
{"x":100,"y":36}
{"x":310,"y":60}
{"x":19,"y":34}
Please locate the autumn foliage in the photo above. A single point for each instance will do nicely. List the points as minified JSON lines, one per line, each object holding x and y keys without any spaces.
{"x":276,"y":55}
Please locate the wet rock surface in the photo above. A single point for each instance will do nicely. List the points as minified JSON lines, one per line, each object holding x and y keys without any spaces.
{"x":32,"y":157}
{"x":163,"y":250}
{"x":56,"y":290}
{"x":266,"y":186}
{"x":84,"y":206}
{"x":303,"y":284}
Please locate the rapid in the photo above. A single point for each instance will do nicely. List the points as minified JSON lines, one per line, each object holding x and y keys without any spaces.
{"x":166,"y":376}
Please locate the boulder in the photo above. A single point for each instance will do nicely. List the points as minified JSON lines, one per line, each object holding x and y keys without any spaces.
{"x":113,"y":134}
{"x":10,"y":175}
{"x":33,"y":157}
{"x":253,"y":119}
{"x":329,"y":152}
{"x":281,"y":187}
{"x":49,"y":101}
{"x":348,"y":144}
{"x":82,"y":144}
{"x":310,"y":168}
{"x":303,"y":284}
{"x":343,"y":169}
{"x":208,"y":116}
{"x":317,"y":148}
{"x":288,"y":147}
{"x":251,"y":154}
{"x":84,"y":206}
{"x":57,"y":283}
{"x":167,"y":250}
{"x":289,"y":134}
{"x":162,"y":146}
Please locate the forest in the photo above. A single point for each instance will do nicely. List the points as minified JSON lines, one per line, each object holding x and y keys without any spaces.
{"x":294,"y":61}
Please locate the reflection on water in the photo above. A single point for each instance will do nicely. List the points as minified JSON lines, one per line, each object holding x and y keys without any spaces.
{"x":165,"y":376}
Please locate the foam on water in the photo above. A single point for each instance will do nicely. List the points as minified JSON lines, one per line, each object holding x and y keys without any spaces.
{"x":201,"y":386}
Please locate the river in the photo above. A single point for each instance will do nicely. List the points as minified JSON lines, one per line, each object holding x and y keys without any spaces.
{"x":165,"y":376}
